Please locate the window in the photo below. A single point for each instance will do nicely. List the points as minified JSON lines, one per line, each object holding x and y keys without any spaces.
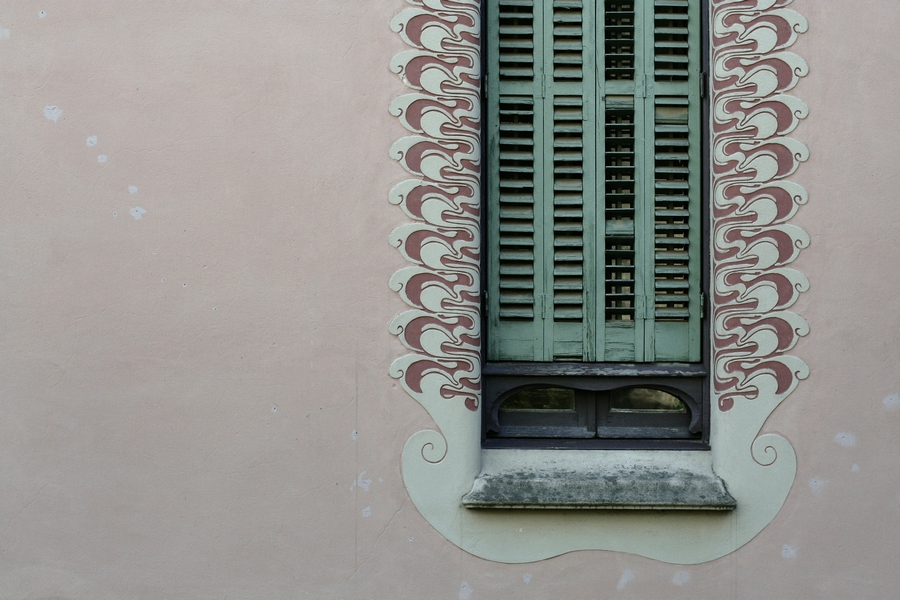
{"x":594,"y":232}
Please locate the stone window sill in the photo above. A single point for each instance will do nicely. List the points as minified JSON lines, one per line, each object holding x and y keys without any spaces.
{"x":592,"y":479}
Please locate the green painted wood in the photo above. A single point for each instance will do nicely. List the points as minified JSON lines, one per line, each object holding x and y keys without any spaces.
{"x":594,"y":180}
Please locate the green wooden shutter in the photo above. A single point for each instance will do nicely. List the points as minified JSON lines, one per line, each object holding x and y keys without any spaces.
{"x":593,"y":197}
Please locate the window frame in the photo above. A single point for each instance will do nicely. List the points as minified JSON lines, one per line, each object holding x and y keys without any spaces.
{"x":688,"y":381}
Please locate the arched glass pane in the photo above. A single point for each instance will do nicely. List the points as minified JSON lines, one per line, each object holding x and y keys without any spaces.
{"x":544,"y":399}
{"x":644,"y":400}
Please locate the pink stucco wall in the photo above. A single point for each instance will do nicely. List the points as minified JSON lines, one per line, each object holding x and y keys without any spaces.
{"x":196,"y":403}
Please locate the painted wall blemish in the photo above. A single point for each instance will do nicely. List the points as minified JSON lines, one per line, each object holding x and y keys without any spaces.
{"x":845,"y":439}
{"x":527,"y":578}
{"x":465,"y":591}
{"x":362,"y":482}
{"x":132,"y":190}
{"x":275,"y":409}
{"x":163,"y":280}
{"x":854,"y":468}
{"x":137,"y":212}
{"x":115,"y":214}
{"x":4,"y":34}
{"x":51,"y":112}
{"x":892,"y":401}
{"x":816,"y":485}
{"x":91,"y":141}
{"x":367,"y":511}
{"x":215,"y":309}
{"x":184,"y":285}
{"x":681,"y":578}
{"x":626,"y":578}
{"x":153,"y":253}
{"x":788,"y":552}
{"x":354,"y":435}
{"x":102,"y":158}
{"x":42,"y":14}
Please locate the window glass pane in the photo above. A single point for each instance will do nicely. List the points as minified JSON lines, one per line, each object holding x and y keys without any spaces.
{"x":644,"y":400}
{"x":543,"y":399}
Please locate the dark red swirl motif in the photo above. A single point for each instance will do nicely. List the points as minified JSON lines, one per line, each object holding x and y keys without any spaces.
{"x":442,"y":242}
{"x":753,"y":201}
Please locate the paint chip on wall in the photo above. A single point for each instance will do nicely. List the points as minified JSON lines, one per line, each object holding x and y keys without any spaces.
{"x":102,"y":159}
{"x":42,"y":14}
{"x":681,"y":578}
{"x":132,"y":189}
{"x":845,"y":439}
{"x":52,"y":112}
{"x":4,"y":34}
{"x":137,"y":212}
{"x":626,"y":578}
{"x":855,"y":468}
{"x":526,"y":578}
{"x":465,"y":591}
{"x":92,"y":141}
{"x":816,"y":485}
{"x":788,"y":552}
{"x":892,"y":401}
{"x":361,"y":482}
{"x":367,"y":511}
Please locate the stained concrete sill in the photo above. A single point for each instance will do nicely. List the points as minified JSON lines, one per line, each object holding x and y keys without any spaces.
{"x":598,"y":479}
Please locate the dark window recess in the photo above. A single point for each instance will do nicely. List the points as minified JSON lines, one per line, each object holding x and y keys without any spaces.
{"x":612,"y":411}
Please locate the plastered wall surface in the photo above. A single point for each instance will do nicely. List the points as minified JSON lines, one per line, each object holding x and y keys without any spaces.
{"x":194,"y":390}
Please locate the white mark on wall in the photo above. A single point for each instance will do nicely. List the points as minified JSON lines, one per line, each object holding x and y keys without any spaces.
{"x":816,"y":485}
{"x":215,"y":309}
{"x":892,"y":401}
{"x":132,"y":190}
{"x":4,"y":34}
{"x":681,"y":578}
{"x":465,"y":591}
{"x":91,"y":141}
{"x":527,"y":578}
{"x":42,"y":14}
{"x":274,"y":408}
{"x":411,"y":538}
{"x":362,"y":482}
{"x":626,"y":578}
{"x":51,"y":112}
{"x":163,"y":279}
{"x":367,"y":511}
{"x":354,"y":435}
{"x":102,"y":158}
{"x":788,"y":552}
{"x":855,"y":468}
{"x":137,"y":212}
{"x":845,"y":439}
{"x":184,"y":285}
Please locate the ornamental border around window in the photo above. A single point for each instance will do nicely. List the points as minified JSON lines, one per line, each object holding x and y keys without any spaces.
{"x":753,"y":285}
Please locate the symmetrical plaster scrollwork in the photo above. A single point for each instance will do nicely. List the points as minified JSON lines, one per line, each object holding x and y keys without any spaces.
{"x":753,"y":244}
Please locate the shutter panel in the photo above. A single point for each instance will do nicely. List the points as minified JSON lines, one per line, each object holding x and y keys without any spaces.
{"x":571,"y":173}
{"x":515,"y":147}
{"x":539,"y":140}
{"x":676,"y":159}
{"x":594,"y":188}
